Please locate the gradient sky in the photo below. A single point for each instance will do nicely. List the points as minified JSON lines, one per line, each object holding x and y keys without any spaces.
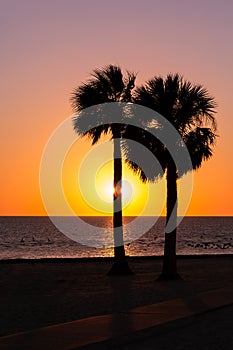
{"x":49,"y":47}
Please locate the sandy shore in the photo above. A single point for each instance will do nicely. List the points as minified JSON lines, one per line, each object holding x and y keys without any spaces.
{"x":40,"y":293}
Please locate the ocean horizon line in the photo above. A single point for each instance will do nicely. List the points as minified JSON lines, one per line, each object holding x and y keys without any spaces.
{"x":128,"y":216}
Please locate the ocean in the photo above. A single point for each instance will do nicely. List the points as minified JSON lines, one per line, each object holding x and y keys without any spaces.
{"x":37,"y":237}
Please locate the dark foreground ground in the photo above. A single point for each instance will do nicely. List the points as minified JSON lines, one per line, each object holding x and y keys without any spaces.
{"x":36,"y":294}
{"x":212,"y":330}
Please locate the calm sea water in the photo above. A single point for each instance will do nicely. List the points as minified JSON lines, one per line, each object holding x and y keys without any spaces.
{"x":37,"y":237}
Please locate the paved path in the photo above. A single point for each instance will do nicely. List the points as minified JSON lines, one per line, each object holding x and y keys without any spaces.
{"x":95,"y":330}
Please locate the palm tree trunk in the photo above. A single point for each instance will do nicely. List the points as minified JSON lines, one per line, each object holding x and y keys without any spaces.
{"x":169,"y":270}
{"x":120,"y":265}
{"x":117,"y":202}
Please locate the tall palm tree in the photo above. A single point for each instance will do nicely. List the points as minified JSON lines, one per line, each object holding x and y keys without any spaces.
{"x":191,"y":110}
{"x":108,"y":85}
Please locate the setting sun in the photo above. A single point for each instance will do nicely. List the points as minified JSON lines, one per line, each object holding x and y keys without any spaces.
{"x":87,"y":181}
{"x":107,"y":192}
{"x":105,"y":188}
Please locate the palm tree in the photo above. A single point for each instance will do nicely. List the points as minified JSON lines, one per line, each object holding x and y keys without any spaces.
{"x":108,"y":85}
{"x":190,"y":109}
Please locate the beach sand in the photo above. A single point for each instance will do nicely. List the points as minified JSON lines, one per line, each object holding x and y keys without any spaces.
{"x":40,"y":293}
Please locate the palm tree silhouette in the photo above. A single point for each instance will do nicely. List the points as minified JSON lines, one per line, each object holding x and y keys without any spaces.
{"x":191,"y":110}
{"x":108,"y":85}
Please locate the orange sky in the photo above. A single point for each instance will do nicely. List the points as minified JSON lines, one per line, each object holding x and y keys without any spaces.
{"x":49,"y":47}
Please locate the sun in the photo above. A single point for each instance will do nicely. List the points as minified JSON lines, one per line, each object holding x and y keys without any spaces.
{"x":105,"y":189}
{"x":88,"y":186}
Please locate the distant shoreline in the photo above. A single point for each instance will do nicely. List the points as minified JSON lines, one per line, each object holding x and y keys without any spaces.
{"x":105,"y":259}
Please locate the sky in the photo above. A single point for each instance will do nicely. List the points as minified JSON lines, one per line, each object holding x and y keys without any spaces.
{"x":49,"y":47}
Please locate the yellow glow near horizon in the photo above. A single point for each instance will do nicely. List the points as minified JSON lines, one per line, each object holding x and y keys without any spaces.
{"x":105,"y":188}
{"x":88,"y":184}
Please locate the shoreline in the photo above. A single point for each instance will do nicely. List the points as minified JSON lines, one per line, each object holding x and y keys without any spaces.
{"x":109,"y":259}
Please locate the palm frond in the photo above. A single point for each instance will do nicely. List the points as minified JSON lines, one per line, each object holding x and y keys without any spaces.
{"x":195,"y":107}
{"x":129,"y":83}
{"x":110,"y":80}
{"x":188,"y":107}
{"x":148,"y":170}
{"x":199,"y":143}
{"x":105,"y":85}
